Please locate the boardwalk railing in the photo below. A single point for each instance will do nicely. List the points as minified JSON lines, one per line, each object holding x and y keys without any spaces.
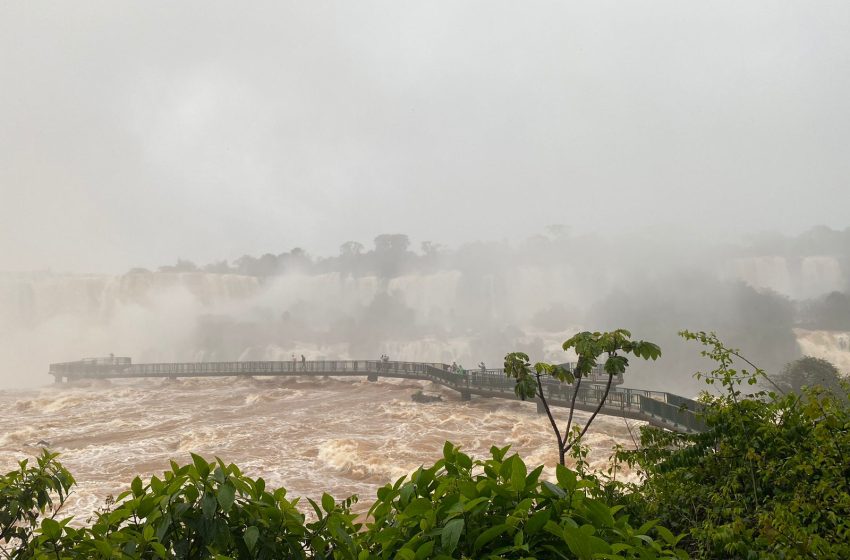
{"x":658,"y":408}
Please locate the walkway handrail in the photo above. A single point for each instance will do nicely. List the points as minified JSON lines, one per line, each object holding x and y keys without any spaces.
{"x":659,"y":408}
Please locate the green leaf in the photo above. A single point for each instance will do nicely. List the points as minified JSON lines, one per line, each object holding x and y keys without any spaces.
{"x":578,"y":542}
{"x":158,"y":548}
{"x":665,"y":534}
{"x":488,"y":536}
{"x":451,"y":535}
{"x":105,"y":549}
{"x":405,"y":554}
{"x":208,"y":505}
{"x":51,"y":528}
{"x":518,"y":474}
{"x":556,"y":490}
{"x":566,"y":477}
{"x":136,"y":487}
{"x":599,"y":513}
{"x":448,"y":451}
{"x":471,"y":504}
{"x":225,"y":496}
{"x":425,"y":550}
{"x":537,"y":521}
{"x":201,"y":465}
{"x":417,"y":507}
{"x":250,"y":537}
{"x":328,"y":503}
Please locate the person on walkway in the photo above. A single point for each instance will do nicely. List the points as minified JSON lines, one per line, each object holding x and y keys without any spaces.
{"x":303,"y":363}
{"x":482,"y":367}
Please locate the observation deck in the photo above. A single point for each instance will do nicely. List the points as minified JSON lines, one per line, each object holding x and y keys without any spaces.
{"x":660,"y":409}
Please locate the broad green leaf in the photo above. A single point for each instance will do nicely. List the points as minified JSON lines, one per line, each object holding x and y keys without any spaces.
{"x":665,"y":534}
{"x":328,"y":502}
{"x":225,"y":496}
{"x":250,"y":537}
{"x":136,"y":487}
{"x":451,"y":535}
{"x":424,"y":551}
{"x":488,"y":535}
{"x":405,"y":554}
{"x":417,"y":507}
{"x":566,"y":477}
{"x":51,"y":528}
{"x":578,"y":542}
{"x":448,"y":451}
{"x":518,"y":474}
{"x":599,"y":513}
{"x":201,"y":465}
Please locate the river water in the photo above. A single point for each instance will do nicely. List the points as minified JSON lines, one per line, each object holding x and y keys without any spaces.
{"x":343,"y":436}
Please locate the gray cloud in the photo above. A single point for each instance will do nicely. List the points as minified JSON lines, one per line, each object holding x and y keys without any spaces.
{"x":133,"y":134}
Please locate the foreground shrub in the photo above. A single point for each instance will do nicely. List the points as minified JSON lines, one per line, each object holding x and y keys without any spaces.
{"x":460,"y":508}
{"x":28,"y":493}
{"x":203,"y":510}
{"x":770,"y":478}
{"x":456,"y":508}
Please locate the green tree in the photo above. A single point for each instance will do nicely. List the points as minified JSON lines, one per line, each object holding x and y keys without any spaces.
{"x":590,"y":347}
{"x":769,"y":478}
{"x":810,"y":372}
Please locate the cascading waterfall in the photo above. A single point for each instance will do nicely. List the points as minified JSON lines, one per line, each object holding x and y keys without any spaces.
{"x":797,"y":278}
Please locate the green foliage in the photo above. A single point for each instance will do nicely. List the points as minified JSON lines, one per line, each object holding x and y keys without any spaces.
{"x":498,"y":508}
{"x":768,"y":479}
{"x":456,"y":508}
{"x":811,"y":372}
{"x":203,"y":510}
{"x":589,"y":348}
{"x":28,"y":493}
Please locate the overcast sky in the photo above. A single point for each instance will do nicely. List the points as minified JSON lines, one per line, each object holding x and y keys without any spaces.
{"x":137,"y":133}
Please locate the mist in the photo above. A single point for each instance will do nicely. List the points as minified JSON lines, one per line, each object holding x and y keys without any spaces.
{"x":470,"y":303}
{"x":194,"y":182}
{"x":140,"y":134}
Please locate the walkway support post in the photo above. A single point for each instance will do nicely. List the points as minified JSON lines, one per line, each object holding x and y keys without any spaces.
{"x":540,"y":408}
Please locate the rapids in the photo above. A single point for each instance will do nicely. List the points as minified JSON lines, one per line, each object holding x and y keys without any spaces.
{"x":342,"y":436}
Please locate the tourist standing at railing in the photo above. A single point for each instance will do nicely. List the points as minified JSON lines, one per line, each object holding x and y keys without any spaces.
{"x":303,"y":363}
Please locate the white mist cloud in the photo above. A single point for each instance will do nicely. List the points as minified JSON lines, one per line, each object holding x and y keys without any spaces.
{"x":133,"y":134}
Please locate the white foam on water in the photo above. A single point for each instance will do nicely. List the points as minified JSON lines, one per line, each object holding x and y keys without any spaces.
{"x":344,"y":436}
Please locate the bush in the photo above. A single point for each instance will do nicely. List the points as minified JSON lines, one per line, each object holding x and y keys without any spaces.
{"x":456,"y":508}
{"x":768,"y":479}
{"x":460,"y":508}
{"x":26,"y":494}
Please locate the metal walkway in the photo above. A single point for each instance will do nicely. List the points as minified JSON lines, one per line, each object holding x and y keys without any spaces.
{"x":657,"y":408}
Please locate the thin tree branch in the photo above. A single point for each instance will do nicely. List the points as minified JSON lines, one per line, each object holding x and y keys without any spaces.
{"x":549,"y":414}
{"x":595,"y":412}
{"x":572,"y":409}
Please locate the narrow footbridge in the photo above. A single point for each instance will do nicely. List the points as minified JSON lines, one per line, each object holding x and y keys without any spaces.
{"x":657,"y":408}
